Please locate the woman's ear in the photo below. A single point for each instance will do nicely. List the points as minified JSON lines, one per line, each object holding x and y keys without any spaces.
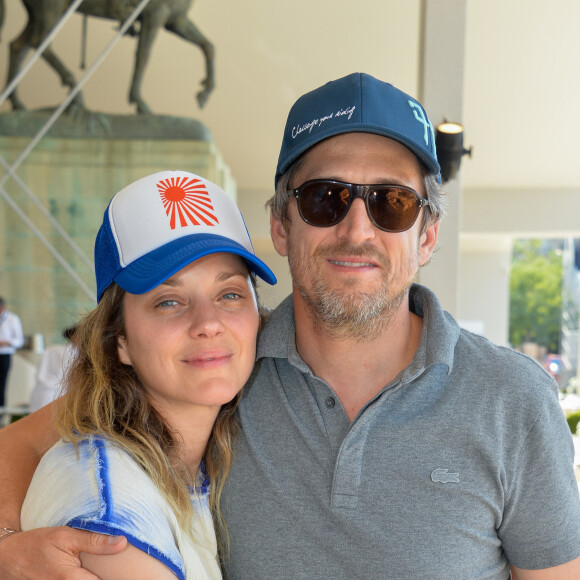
{"x":123,"y":351}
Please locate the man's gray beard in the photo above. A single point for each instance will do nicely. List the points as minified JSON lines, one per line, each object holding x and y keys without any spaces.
{"x":360,"y":316}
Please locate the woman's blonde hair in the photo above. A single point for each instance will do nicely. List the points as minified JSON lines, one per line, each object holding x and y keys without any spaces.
{"x":105,"y":397}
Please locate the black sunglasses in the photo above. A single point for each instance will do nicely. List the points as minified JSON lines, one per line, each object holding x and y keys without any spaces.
{"x":391,"y":208}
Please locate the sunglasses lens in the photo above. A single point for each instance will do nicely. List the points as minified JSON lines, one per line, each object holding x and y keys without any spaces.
{"x":323,"y":204}
{"x":393,"y":209}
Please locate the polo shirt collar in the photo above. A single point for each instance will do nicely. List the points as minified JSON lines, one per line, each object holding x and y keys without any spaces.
{"x":278,"y":337}
{"x":437,"y":346}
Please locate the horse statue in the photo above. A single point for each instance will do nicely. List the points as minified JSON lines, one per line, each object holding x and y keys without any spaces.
{"x":43,"y":15}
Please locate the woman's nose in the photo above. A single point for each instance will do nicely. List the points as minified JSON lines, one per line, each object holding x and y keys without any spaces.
{"x":206,"y":321}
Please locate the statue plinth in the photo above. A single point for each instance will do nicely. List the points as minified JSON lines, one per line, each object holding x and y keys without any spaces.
{"x":93,"y":125}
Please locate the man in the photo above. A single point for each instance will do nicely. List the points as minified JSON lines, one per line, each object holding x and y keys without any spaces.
{"x":379,"y":440}
{"x":11,"y":338}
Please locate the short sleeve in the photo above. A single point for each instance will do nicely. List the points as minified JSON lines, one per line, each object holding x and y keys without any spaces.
{"x":105,"y":491}
{"x":541,"y":523}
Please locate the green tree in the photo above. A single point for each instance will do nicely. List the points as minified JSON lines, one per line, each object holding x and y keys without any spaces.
{"x":535,"y":295}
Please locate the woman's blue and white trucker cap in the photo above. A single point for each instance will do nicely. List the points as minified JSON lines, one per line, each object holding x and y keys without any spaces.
{"x":157,"y":225}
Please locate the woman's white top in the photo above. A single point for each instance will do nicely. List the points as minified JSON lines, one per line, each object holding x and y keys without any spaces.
{"x":104,"y":490}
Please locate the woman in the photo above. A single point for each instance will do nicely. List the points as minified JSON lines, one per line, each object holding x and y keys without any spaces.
{"x":147,"y":419}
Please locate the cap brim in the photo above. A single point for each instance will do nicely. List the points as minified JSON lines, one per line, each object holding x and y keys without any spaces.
{"x":149,"y":271}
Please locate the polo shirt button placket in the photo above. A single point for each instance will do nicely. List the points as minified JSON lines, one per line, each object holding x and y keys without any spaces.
{"x":330,"y":402}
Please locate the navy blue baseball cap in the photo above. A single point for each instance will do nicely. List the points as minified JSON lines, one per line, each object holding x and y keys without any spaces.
{"x":357,"y":103}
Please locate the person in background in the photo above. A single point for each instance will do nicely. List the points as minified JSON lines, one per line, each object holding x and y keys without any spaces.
{"x":11,"y":339}
{"x":147,"y":419}
{"x":378,"y":438}
{"x":49,"y":373}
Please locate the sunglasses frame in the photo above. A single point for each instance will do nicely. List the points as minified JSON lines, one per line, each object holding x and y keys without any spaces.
{"x":363,"y":191}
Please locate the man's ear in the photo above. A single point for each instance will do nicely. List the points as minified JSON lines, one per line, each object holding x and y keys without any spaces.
{"x":279,"y":235}
{"x":427,"y":242}
{"x":123,"y":351}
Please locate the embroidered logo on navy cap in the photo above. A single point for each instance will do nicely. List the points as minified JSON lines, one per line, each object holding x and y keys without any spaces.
{"x":428,"y":132}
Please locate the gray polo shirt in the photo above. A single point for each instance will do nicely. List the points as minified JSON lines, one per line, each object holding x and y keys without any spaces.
{"x":462,"y":463}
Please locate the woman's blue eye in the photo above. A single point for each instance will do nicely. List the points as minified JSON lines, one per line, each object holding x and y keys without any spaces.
{"x":167,"y":304}
{"x":231,"y":296}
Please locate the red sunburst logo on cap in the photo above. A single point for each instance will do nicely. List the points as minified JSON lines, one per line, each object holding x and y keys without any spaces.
{"x":186,"y":200}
